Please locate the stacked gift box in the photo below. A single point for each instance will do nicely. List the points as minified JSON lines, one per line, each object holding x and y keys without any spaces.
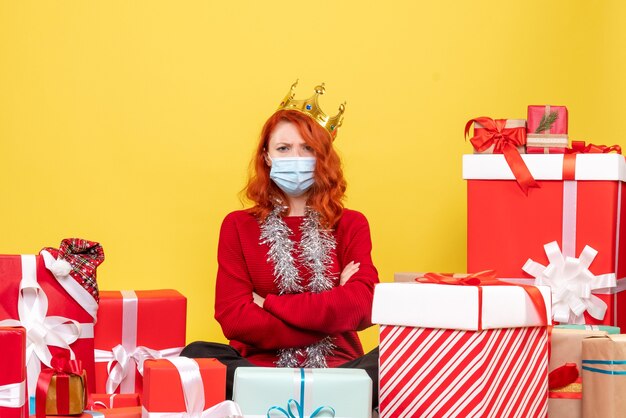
{"x":135,"y":347}
{"x":544,"y":216}
{"x":556,"y":220}
{"x":553,"y":219}
{"x":48,"y":308}
{"x":462,"y":346}
{"x":544,"y":247}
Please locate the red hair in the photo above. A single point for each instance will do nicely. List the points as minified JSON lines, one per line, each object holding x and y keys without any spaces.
{"x":326,"y":194}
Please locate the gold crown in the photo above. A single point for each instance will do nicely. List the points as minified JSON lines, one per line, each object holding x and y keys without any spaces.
{"x":311,"y":107}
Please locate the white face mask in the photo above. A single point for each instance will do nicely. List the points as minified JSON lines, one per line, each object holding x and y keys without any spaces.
{"x":293,"y":175}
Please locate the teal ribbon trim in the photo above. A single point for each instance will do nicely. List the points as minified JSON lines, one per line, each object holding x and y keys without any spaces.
{"x":608,"y":362}
{"x":299,"y":406}
{"x":612,"y":372}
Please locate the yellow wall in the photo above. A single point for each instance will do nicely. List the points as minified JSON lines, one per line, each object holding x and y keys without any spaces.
{"x":132,"y":123}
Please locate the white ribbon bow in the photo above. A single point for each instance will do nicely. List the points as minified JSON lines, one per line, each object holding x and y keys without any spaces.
{"x":122,"y":363}
{"x":13,"y":395}
{"x":193,"y":391}
{"x":41,"y":331}
{"x":571,"y":284}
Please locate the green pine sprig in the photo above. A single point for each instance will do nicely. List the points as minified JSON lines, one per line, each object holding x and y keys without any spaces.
{"x":547,"y":121}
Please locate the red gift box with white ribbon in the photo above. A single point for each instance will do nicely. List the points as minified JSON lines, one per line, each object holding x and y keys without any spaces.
{"x":113,"y":400}
{"x":13,"y":373}
{"x":56,"y":311}
{"x":135,"y":326}
{"x":567,"y":233}
{"x":182,"y":387}
{"x":477,"y":348}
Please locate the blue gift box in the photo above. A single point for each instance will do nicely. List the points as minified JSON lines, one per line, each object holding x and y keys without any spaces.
{"x":263,"y":392}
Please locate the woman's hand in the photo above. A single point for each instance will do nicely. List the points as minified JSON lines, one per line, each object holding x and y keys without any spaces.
{"x":258,"y":299}
{"x":348,"y":271}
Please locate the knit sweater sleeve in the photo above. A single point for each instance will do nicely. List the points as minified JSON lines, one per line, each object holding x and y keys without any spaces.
{"x":343,"y":308}
{"x":241,"y":319}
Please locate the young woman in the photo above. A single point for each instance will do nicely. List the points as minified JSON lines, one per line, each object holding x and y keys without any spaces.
{"x":295,"y":278}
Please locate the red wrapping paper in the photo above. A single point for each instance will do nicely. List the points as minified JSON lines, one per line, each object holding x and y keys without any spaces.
{"x":536,"y":113}
{"x":161,"y":324}
{"x":60,"y":303}
{"x":115,"y":400}
{"x":506,"y":228}
{"x":545,"y":150}
{"x":125,"y":412}
{"x":13,"y":367}
{"x":163,"y":390}
{"x":437,"y":373}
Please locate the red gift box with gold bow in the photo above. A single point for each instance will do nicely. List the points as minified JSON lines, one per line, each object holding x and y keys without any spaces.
{"x":62,"y":389}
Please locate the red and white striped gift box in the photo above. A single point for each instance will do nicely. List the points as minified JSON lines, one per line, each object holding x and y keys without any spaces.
{"x":461,"y":351}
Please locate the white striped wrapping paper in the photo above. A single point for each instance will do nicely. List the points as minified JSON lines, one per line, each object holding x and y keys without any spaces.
{"x":427,"y":372}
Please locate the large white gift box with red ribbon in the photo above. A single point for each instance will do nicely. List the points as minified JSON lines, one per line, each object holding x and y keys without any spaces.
{"x":466,"y":351}
{"x":567,"y":233}
{"x":56,"y":311}
{"x":135,"y":326}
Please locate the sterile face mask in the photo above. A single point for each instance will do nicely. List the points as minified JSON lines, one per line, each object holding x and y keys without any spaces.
{"x":293,"y":175}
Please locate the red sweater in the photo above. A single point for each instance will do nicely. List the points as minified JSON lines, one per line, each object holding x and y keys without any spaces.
{"x":292,"y":320}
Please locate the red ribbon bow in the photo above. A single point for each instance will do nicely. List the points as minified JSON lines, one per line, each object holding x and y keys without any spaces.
{"x":562,"y":376}
{"x":505,"y":141}
{"x":62,"y":367}
{"x":487,"y":278}
{"x":579,"y":147}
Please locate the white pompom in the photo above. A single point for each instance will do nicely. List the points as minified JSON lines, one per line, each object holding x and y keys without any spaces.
{"x":60,"y":268}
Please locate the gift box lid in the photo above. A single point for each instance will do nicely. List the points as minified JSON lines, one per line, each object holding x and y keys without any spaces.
{"x":426,"y":305}
{"x":257,"y":389}
{"x":583,"y":327}
{"x":157,"y":317}
{"x":545,"y":167}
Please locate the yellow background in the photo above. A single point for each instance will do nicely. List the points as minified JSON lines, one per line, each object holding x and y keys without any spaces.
{"x":132,"y":122}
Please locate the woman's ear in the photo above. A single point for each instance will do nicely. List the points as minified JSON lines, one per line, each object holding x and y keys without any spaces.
{"x":268,"y":160}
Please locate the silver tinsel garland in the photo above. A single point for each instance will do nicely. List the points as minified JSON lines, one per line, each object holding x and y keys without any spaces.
{"x":275,"y":233}
{"x":315,"y":254}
